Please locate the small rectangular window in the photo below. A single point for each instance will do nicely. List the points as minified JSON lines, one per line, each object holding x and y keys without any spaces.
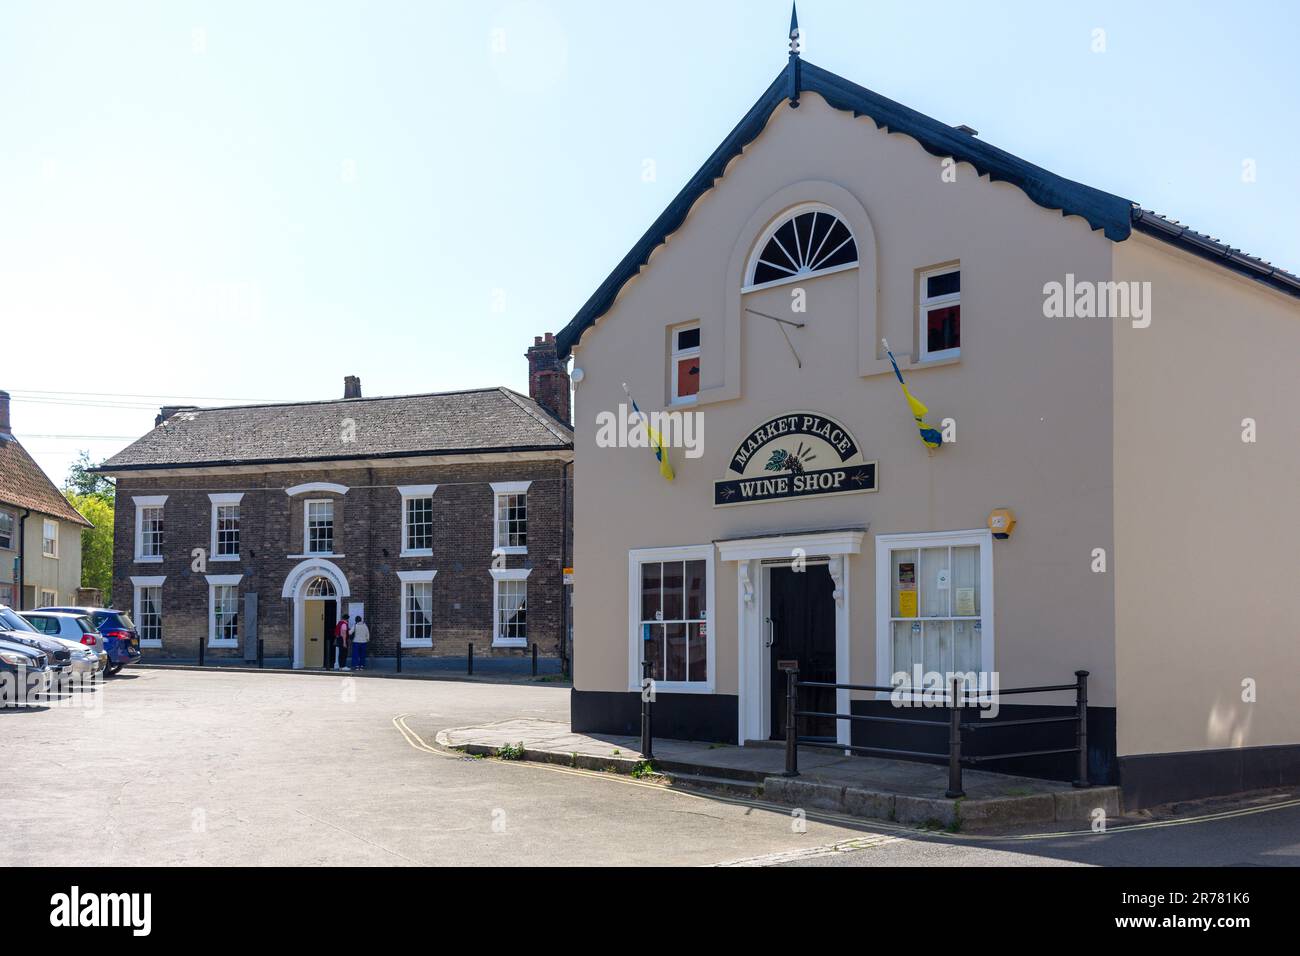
{"x":6,"y":530}
{"x":50,"y":539}
{"x":512,"y":521}
{"x":419,"y":524}
{"x":674,"y":628}
{"x":148,"y":617}
{"x":320,"y":527}
{"x":151,"y":532}
{"x":685,"y":364}
{"x":940,"y":320}
{"x":227,"y":531}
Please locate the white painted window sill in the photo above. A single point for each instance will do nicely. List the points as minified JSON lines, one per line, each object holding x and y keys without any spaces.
{"x":151,"y":643}
{"x":224,"y":557}
{"x":212,"y":643}
{"x":512,"y":549}
{"x":145,"y":559}
{"x":417,"y":642}
{"x":510,"y":642}
{"x":419,"y":553}
{"x":321,"y":554}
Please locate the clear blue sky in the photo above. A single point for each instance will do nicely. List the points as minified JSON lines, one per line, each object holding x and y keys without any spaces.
{"x":251,"y":200}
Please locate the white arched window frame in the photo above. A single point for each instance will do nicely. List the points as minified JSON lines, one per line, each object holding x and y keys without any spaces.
{"x":803,"y":263}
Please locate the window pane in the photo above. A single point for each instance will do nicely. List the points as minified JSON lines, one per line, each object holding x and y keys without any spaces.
{"x":652,"y":635}
{"x":907,"y":646}
{"x":966,"y":581}
{"x":697,"y":652}
{"x":695,"y":573}
{"x":949,"y":283}
{"x":688,"y":339}
{"x":651,"y":581}
{"x":966,"y":646}
{"x":935,"y":582}
{"x":688,"y":376}
{"x":938,"y":647}
{"x":904,"y":582}
{"x":673,"y":596}
{"x":943,"y":328}
{"x":676,"y":651}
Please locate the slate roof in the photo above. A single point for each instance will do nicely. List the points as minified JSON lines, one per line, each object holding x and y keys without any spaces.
{"x":441,"y":423}
{"x":24,"y":485}
{"x":1112,"y":214}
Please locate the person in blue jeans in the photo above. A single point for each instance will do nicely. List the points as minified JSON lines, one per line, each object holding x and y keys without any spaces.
{"x":360,"y":643}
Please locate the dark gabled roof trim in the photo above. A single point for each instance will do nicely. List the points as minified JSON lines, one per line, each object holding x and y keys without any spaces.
{"x":328,"y":459}
{"x":1102,"y":210}
{"x":1207,"y":247}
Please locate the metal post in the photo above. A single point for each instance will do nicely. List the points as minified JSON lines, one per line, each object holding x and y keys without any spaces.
{"x":534,"y":658}
{"x":791,"y":721}
{"x":261,"y":660}
{"x":647,"y":720}
{"x":954,"y":742}
{"x":471,"y":658}
{"x":202,"y":642}
{"x":1081,"y":735}
{"x":399,"y":656}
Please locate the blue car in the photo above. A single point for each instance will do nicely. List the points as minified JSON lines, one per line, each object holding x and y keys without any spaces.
{"x":121,"y":640}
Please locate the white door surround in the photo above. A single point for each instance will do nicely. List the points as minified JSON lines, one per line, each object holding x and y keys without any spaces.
{"x":752,"y":673}
{"x":295,"y":587}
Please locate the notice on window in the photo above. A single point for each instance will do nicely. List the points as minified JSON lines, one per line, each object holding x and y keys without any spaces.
{"x":963,"y":604}
{"x":907,"y":603}
{"x":907,"y":589}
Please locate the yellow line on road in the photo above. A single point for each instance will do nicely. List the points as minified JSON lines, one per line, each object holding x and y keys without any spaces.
{"x":843,"y":820}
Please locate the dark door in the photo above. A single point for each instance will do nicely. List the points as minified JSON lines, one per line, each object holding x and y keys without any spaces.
{"x":331,"y":622}
{"x":802,"y":628}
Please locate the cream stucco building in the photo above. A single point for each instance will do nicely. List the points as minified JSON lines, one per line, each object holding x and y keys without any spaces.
{"x":1150,"y":459}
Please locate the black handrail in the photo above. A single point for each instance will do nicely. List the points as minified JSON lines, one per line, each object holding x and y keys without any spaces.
{"x":957,"y":698}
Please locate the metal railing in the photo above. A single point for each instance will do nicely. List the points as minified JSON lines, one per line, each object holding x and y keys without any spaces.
{"x":957,"y":700}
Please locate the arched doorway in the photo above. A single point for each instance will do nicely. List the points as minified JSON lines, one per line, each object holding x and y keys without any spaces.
{"x":318,"y":589}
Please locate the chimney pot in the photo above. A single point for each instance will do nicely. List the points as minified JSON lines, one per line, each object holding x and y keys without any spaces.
{"x":167,"y":411}
{"x":351,"y":386}
{"x":548,"y":378}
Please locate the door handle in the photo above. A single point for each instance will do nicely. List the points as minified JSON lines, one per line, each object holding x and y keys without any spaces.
{"x":771,"y":632}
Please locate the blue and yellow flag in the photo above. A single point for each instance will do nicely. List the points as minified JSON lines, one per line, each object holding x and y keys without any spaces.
{"x":656,"y":441}
{"x":929,"y":435}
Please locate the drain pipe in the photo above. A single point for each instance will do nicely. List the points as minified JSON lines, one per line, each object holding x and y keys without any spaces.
{"x":22,"y":558}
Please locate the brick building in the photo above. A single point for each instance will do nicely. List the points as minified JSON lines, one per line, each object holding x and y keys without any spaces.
{"x":443,"y":519}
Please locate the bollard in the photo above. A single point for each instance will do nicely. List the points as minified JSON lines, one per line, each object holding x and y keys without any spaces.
{"x":471,"y":658}
{"x":954,"y":742}
{"x":647,"y":727}
{"x":534,"y":658}
{"x":202,"y":642}
{"x":791,"y":719}
{"x":399,"y":657}
{"x":1081,"y":735}
{"x":261,"y":659}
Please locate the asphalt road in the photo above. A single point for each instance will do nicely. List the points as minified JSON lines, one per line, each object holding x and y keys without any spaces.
{"x":179,"y":767}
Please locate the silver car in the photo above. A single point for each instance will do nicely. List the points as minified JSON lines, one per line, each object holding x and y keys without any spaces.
{"x":77,"y":633}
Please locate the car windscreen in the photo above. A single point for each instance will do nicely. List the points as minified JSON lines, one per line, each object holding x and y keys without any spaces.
{"x":13,"y":621}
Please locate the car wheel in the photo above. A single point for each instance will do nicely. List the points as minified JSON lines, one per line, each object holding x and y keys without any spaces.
{"x":112,"y":669}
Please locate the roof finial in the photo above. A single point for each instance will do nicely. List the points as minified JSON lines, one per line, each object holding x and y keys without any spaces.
{"x":796,"y":47}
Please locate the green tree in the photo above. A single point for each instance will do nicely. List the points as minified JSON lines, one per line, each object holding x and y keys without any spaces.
{"x":96,"y":542}
{"x":84,"y":482}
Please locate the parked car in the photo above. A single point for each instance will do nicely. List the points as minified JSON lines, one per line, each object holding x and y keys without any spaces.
{"x":16,"y":630}
{"x":121,"y":640}
{"x":22,"y":667}
{"x":78,"y":631}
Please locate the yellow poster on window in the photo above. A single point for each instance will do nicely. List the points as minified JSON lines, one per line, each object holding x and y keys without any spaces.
{"x":907,"y":604}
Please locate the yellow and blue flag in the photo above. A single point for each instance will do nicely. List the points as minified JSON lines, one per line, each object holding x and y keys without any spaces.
{"x":656,"y":440}
{"x":929,"y":435}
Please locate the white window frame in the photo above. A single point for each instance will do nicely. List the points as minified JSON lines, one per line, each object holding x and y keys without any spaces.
{"x":409,"y":492}
{"x":758,"y":248}
{"x":499,"y":575}
{"x":215,"y":581}
{"x":141,"y":503}
{"x":13,"y":529}
{"x":675,"y":356}
{"x":499,"y":490}
{"x":50,"y":525}
{"x":885,"y":543}
{"x":927,"y":305}
{"x":306,"y":528}
{"x":138,"y":584}
{"x":692,"y":552}
{"x":49,"y":598}
{"x":408,"y":578}
{"x":219,"y":501}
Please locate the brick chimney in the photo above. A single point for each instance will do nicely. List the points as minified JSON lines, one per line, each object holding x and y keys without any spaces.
{"x":5,"y":431}
{"x":167,"y":411}
{"x":548,"y":379}
{"x":351,"y":386}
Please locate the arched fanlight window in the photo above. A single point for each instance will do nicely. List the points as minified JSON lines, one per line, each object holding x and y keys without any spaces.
{"x":809,"y":240}
{"x":320,"y":588}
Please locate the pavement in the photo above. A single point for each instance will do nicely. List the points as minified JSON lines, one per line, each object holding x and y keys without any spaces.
{"x":175,"y":767}
{"x":896,"y":790}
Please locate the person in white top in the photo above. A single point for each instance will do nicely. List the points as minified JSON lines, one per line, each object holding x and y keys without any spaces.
{"x":360,"y":643}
